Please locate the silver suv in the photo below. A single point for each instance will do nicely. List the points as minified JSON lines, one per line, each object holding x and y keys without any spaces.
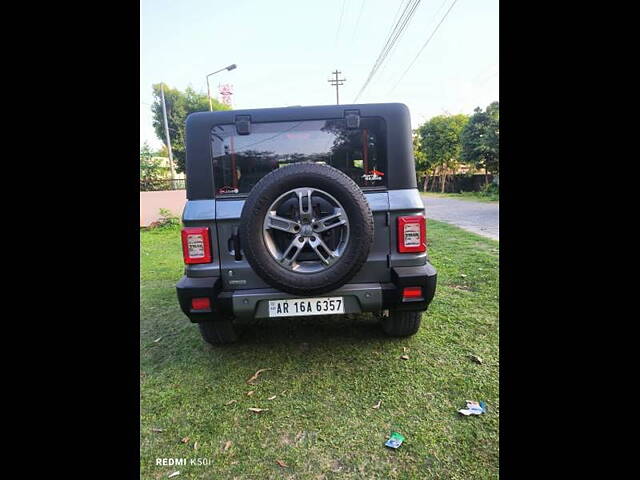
{"x":303,"y":211}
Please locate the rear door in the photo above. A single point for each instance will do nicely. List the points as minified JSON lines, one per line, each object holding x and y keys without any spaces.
{"x":240,"y":161}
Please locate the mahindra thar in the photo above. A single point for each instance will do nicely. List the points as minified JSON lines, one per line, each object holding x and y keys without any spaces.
{"x":301,"y":211}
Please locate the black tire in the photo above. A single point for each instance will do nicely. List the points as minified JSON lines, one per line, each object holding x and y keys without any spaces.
{"x":331,"y":181}
{"x":401,"y":324}
{"x":218,"y":332}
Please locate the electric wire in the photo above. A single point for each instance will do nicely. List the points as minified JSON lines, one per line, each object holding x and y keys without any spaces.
{"x":392,"y":39}
{"x":423,"y":46}
{"x":340,"y":21}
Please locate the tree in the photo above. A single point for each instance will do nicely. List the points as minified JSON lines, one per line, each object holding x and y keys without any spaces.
{"x":424,"y":166}
{"x":179,"y":106}
{"x":161,"y":152}
{"x":440,"y":141}
{"x":150,"y":169}
{"x":480,"y":139}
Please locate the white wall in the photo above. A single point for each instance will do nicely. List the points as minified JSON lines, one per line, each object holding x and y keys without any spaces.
{"x":152,"y":202}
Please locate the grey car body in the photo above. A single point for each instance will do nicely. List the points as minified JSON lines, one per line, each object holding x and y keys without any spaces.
{"x":235,"y":290}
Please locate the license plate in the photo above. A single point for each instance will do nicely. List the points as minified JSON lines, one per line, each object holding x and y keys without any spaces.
{"x":297,"y":307}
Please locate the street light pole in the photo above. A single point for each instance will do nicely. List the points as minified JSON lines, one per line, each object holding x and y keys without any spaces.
{"x":230,"y":67}
{"x":166,"y":131}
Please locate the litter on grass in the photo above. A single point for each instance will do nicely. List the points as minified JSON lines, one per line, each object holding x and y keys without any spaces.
{"x":254,"y":377}
{"x":476,"y":359}
{"x":395,"y":440}
{"x":473,"y":408}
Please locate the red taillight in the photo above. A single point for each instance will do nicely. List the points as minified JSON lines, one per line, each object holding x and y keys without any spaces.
{"x":412,"y":234}
{"x":196,"y":245}
{"x":412,"y":292}
{"x":201,"y":303}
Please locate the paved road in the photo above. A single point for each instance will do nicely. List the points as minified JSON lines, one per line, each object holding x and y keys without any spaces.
{"x":477,"y":217}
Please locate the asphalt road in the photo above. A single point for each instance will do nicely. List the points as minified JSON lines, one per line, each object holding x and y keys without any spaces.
{"x":476,"y":217}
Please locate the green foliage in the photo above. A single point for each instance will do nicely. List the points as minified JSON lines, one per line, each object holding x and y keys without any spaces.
{"x":150,"y":170}
{"x":167,"y":220}
{"x":179,"y":106}
{"x":491,"y":188}
{"x":162,"y":152}
{"x":440,"y":141}
{"x":423,"y":163}
{"x":424,"y":166}
{"x":480,"y":139}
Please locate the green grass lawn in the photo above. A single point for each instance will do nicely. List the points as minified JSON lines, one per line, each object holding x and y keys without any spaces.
{"x":472,"y":196}
{"x":326,"y":373}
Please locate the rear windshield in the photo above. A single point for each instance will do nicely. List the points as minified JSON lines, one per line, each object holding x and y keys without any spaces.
{"x":240,"y":161}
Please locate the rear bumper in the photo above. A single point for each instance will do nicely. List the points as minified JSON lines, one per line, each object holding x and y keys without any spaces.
{"x":359,"y":297}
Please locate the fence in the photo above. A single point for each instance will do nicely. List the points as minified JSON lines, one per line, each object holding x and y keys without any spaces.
{"x":149,"y":185}
{"x":456,"y":183}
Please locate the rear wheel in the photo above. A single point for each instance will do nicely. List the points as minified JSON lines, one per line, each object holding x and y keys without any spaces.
{"x":218,"y":332}
{"x":401,"y":324}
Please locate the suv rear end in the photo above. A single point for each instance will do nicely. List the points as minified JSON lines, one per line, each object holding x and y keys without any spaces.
{"x":235,"y":159}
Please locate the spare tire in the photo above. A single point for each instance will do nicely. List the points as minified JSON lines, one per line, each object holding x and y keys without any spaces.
{"x":306,"y":228}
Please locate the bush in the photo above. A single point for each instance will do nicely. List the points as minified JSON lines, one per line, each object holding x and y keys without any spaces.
{"x":491,"y":190}
{"x":167,"y":220}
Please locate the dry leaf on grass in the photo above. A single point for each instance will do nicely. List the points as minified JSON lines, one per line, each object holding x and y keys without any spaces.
{"x":281,"y":463}
{"x":254,"y":377}
{"x":174,"y":474}
{"x":271,"y":398}
{"x":405,"y":357}
{"x":258,"y":410}
{"x":377,"y":405}
{"x":476,"y":359}
{"x":227,"y":445}
{"x":185,"y":440}
{"x":230,"y":402}
{"x":251,"y":392}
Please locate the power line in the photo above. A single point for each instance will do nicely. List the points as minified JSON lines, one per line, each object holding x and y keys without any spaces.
{"x":423,"y":46}
{"x":340,"y":22}
{"x":395,"y":16}
{"x":382,"y":54}
{"x":395,"y":34}
{"x":358,"y":20}
{"x":391,"y":49}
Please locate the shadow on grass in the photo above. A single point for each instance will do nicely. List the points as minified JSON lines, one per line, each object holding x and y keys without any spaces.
{"x":313,"y":330}
{"x":276,"y":343}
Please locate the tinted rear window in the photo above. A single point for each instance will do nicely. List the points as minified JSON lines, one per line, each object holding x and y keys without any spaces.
{"x":240,"y":161}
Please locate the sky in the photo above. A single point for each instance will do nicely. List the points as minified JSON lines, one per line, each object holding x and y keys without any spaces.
{"x":285,"y":51}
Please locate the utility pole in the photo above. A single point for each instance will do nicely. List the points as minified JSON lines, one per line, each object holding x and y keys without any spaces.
{"x":166,"y":131}
{"x":336,"y":82}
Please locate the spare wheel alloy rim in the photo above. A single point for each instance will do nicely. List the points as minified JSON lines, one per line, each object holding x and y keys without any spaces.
{"x":306,"y":239}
